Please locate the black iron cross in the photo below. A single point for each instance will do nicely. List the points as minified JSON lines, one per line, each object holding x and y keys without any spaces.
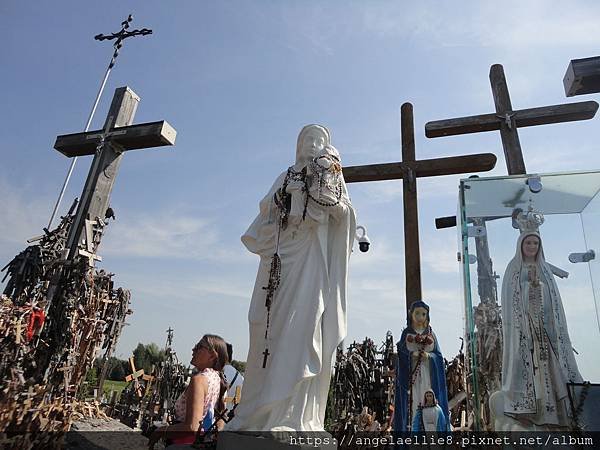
{"x":121,"y":36}
{"x":409,"y":169}
{"x":266,"y":355}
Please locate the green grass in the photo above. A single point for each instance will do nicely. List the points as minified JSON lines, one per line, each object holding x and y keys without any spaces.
{"x":112,"y":385}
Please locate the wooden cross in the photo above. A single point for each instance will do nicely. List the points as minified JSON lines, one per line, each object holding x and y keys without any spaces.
{"x":409,"y":169}
{"x":134,"y":376}
{"x":148,"y":379}
{"x":508,"y":120}
{"x":582,"y":76}
{"x":107,"y":146}
{"x":114,"y":331}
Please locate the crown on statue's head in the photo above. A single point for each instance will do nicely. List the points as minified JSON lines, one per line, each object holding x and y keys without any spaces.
{"x":530,"y":220}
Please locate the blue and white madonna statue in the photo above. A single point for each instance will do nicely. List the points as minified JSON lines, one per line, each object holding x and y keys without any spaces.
{"x":429,"y":416}
{"x":420,"y":369}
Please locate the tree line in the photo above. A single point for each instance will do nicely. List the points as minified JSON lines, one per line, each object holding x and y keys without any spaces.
{"x":145,"y":356}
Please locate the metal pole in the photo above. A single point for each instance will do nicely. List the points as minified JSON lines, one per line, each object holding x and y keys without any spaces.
{"x":120,"y":37}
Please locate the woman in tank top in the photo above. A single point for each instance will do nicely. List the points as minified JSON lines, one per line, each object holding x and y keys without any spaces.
{"x":195,"y":408}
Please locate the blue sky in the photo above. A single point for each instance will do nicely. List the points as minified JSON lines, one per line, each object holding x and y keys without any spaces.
{"x":238,"y":80}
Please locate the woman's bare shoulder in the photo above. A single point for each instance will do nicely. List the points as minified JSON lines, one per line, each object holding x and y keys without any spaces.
{"x":199,"y":381}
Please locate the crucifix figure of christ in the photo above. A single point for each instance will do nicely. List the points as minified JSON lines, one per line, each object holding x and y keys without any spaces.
{"x":118,"y":44}
{"x":409,"y":169}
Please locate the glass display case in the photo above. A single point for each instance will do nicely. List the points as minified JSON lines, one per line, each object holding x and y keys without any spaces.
{"x":550,"y":293}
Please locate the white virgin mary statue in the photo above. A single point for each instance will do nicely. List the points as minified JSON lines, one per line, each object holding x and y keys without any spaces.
{"x":537,"y":360}
{"x":303,"y":235}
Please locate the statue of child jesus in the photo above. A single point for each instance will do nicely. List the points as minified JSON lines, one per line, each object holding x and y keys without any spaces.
{"x":322,"y":182}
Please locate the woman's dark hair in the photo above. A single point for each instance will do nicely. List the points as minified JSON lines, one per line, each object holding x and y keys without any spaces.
{"x":217,"y":344}
{"x":229,"y":353}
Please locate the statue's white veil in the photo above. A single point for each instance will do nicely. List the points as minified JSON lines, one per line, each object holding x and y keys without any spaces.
{"x":517,"y":364}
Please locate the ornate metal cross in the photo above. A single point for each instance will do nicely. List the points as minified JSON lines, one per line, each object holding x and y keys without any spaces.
{"x":121,"y":36}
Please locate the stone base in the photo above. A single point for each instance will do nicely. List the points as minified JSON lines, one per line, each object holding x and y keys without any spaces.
{"x":231,"y":440}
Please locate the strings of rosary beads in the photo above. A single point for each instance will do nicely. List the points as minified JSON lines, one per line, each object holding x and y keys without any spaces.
{"x":321,"y":171}
{"x":282,"y":200}
{"x":338,"y":195}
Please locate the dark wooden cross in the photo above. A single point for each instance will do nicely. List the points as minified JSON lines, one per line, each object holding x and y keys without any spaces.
{"x":107,"y":146}
{"x":507,"y":121}
{"x":582,"y":76}
{"x":409,"y":169}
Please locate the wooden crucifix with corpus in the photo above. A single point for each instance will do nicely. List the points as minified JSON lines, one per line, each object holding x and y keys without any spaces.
{"x":409,"y":169}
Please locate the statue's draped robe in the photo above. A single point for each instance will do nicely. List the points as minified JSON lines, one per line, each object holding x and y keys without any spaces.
{"x":430,"y":419}
{"x":537,"y":359}
{"x":431,"y":375}
{"x":308,"y":313}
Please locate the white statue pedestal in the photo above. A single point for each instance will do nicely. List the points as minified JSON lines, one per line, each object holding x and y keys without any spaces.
{"x":231,"y":440}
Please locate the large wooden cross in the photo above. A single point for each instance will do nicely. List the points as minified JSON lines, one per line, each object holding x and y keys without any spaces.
{"x":582,"y":76}
{"x":507,"y":120}
{"x":107,"y":146}
{"x":409,"y":169}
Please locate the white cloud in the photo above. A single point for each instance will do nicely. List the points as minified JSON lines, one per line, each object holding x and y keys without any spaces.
{"x":23,"y":216}
{"x":427,"y":188}
{"x":558,"y":155}
{"x":196,"y":287}
{"x":21,"y":213}
{"x":170,"y":234}
{"x":511,"y":25}
{"x":440,"y":256}
{"x":379,"y":256}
